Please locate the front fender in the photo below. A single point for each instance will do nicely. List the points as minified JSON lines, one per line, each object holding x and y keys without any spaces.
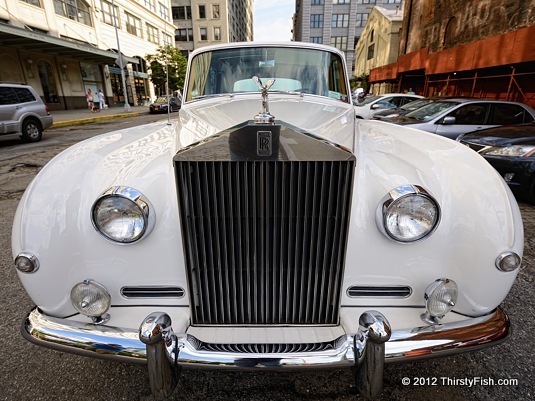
{"x":479,"y":219}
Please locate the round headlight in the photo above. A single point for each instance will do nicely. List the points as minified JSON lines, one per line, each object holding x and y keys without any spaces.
{"x":440,"y":298}
{"x":508,"y":261}
{"x":90,"y":298}
{"x":407,"y":214}
{"x":122,"y":214}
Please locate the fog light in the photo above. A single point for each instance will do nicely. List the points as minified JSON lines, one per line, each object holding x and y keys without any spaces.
{"x":26,"y":262}
{"x":440,"y":298}
{"x":508,"y":261}
{"x":91,"y":299}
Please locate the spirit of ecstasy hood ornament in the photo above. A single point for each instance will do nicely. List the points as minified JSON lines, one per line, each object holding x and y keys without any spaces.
{"x":264,"y":117}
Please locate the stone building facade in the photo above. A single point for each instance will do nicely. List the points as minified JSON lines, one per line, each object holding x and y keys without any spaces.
{"x":478,"y":48}
{"x":62,"y":48}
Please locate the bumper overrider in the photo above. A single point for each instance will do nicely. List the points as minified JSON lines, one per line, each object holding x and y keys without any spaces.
{"x":166,"y":352}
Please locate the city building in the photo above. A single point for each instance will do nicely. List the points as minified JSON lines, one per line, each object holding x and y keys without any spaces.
{"x":338,"y":23}
{"x":478,"y":48}
{"x":379,"y":42}
{"x":62,"y":48}
{"x":201,"y":23}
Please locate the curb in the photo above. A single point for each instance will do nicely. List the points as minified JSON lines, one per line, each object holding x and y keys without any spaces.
{"x":95,"y":119}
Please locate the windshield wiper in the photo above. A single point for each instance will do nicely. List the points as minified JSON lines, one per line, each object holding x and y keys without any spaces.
{"x":213,"y":95}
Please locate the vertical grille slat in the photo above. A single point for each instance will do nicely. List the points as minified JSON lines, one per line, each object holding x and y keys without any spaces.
{"x":264,"y":240}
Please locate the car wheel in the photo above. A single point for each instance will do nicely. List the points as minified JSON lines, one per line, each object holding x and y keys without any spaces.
{"x":31,"y":130}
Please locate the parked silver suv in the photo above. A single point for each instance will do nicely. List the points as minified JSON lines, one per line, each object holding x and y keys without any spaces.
{"x":22,"y":111}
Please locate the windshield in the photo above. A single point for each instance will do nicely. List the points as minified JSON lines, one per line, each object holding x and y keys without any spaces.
{"x":226,"y":71}
{"x":367,"y":100}
{"x":161,"y":99}
{"x":431,"y":111}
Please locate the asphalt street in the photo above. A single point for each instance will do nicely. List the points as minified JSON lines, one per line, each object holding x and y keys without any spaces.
{"x":28,"y":372}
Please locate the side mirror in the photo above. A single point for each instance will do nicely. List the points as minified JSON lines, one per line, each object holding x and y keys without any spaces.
{"x":375,"y":106}
{"x":448,"y":120}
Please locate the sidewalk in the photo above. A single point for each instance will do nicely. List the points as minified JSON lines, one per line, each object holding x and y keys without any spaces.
{"x":64,"y":118}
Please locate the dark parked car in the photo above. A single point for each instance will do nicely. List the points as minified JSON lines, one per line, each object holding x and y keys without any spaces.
{"x":163,"y":102}
{"x":453,"y":117}
{"x":510,"y":150}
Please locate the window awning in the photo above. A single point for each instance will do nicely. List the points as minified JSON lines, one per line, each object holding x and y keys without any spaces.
{"x":32,"y":41}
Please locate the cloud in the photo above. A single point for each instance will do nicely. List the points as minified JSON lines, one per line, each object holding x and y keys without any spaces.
{"x":273,"y":20}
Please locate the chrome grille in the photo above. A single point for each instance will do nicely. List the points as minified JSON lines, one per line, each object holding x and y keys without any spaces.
{"x":275,"y":348}
{"x":264,"y":241}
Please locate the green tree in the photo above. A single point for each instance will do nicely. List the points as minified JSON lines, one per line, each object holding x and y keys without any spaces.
{"x":170,"y":57}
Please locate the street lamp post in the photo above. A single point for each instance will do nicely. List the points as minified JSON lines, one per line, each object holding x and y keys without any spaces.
{"x":127,"y":107}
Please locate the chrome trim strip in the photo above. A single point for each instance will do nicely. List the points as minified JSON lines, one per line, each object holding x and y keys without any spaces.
{"x":147,"y":291}
{"x":404,"y":345}
{"x":391,"y":291}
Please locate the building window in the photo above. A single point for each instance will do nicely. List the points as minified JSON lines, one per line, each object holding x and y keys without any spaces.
{"x":167,"y":39}
{"x":368,"y":1}
{"x":36,"y":3}
{"x":392,"y":1}
{"x":133,"y":25}
{"x":341,"y":1}
{"x":340,"y":21}
{"x":316,"y":20}
{"x":164,"y":11}
{"x":371,"y":35}
{"x":77,"y":10}
{"x":149,"y":4}
{"x":316,"y":39}
{"x":316,"y":2}
{"x":182,"y":12}
{"x":202,"y":12}
{"x":371,"y":50}
{"x":107,"y":13}
{"x":184,"y":35}
{"x":204,"y":33}
{"x":217,"y":33}
{"x":340,"y":42}
{"x":361,"y":20}
{"x":215,"y":11}
{"x":152,"y":34}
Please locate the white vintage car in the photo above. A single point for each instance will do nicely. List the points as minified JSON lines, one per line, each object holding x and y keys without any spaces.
{"x":267,"y":228}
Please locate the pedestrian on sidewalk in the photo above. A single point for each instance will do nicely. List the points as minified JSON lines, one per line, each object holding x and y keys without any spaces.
{"x":90,"y":100}
{"x":101,"y":100}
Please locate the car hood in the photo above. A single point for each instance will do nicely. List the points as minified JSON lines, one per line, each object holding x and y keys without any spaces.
{"x":402,"y":120}
{"x":328,"y":118}
{"x":502,"y":136}
{"x":397,"y":110}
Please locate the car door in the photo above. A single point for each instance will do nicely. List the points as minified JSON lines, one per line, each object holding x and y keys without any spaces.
{"x":465,"y":118}
{"x":8,"y":109}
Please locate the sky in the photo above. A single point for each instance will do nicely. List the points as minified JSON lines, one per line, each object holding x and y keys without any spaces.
{"x":273,"y":20}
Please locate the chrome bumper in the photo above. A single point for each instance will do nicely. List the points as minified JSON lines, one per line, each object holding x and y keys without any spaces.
{"x":180,"y":349}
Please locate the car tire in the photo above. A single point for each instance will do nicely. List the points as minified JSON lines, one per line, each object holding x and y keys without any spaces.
{"x":31,"y":130}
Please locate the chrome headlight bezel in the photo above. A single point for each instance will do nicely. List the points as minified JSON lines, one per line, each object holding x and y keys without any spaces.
{"x":394,"y":204}
{"x":126,"y":204}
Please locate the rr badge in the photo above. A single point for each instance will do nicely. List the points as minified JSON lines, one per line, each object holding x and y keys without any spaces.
{"x":264,"y":143}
